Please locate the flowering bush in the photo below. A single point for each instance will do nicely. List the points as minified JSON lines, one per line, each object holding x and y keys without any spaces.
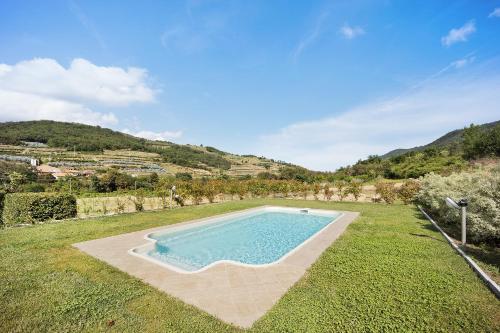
{"x":480,"y":188}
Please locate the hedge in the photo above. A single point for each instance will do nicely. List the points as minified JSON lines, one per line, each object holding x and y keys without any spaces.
{"x":37,"y":207}
{"x":2,"y":198}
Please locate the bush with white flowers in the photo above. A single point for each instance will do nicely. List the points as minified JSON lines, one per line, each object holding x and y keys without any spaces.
{"x":480,"y":188}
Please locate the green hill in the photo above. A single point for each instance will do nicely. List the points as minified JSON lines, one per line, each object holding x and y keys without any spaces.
{"x":68,"y":135}
{"x":450,"y":139}
{"x":86,"y":139}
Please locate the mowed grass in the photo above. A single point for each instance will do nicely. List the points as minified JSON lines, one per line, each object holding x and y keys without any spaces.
{"x":390,"y":271}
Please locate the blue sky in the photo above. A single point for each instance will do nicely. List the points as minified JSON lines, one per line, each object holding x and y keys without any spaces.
{"x":317,"y":83}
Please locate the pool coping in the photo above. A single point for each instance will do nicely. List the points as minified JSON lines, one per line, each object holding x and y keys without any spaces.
{"x":173,"y":228}
{"x":236,"y":294}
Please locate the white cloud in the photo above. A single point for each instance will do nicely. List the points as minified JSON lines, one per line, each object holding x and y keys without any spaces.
{"x":459,"y":35}
{"x":16,"y":106}
{"x":415,"y":118}
{"x":161,"y":136}
{"x":310,"y":37}
{"x":81,"y":81}
{"x":43,"y":89}
{"x":351,"y":32}
{"x":457,"y":64}
{"x":495,"y":13}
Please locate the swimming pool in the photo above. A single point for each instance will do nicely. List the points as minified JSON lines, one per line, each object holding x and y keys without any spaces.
{"x":257,"y":237}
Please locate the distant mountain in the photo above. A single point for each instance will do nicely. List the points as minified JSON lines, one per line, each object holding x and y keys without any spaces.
{"x":86,"y":139}
{"x":447,"y":140}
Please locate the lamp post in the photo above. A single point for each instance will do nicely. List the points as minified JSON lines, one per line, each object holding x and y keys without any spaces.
{"x":461,"y":205}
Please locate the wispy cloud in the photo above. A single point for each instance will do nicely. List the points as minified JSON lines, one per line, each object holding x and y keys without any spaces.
{"x":150,"y":135}
{"x":416,"y":117}
{"x":43,"y":89}
{"x":456,"y":64}
{"x":88,"y":24}
{"x":459,"y":35}
{"x":351,"y":32}
{"x":495,"y":12}
{"x":463,"y":62}
{"x":311,"y":36}
{"x":198,"y":29}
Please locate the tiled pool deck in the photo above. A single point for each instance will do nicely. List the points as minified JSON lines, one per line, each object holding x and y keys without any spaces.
{"x":236,"y":294}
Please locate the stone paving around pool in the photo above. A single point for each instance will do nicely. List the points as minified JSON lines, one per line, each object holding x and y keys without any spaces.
{"x":235,"y":294}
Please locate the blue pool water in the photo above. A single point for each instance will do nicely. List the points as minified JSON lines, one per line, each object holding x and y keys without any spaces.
{"x":255,"y":238}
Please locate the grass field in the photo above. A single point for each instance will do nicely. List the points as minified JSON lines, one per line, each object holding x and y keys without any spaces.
{"x":390,"y":271}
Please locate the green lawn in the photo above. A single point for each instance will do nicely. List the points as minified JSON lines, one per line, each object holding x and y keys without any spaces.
{"x":390,"y":271}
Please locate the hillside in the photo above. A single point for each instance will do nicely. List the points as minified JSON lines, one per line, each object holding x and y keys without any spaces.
{"x":448,"y":140}
{"x":82,"y":147}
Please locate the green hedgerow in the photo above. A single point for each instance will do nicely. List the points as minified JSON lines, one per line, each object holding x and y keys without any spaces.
{"x":37,"y":207}
{"x":2,"y":198}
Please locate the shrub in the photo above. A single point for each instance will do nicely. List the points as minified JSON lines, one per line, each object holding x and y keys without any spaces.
{"x":33,"y":187}
{"x":138,"y":199}
{"x":210,"y":190}
{"x":387,"y":191}
{"x":38,"y":207}
{"x":354,"y":187}
{"x":328,"y":192}
{"x":408,"y":191}
{"x":481,"y":190}
{"x":120,"y":206}
{"x":316,"y":189}
{"x":341,"y":189}
{"x":2,"y":198}
{"x":185,"y":176}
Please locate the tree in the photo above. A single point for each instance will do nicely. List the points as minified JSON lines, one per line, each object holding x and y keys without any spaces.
{"x":266,"y":175}
{"x":341,"y":191}
{"x":355,"y":188}
{"x":328,"y":192}
{"x":183,"y":176}
{"x":479,"y":142}
{"x":471,"y":137}
{"x":16,"y":179}
{"x":153,"y":178}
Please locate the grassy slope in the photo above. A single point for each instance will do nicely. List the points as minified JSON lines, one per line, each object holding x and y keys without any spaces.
{"x":389,"y":272}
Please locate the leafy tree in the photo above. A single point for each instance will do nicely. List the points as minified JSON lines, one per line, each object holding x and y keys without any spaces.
{"x":16,"y":179}
{"x":266,"y":175}
{"x":354,"y":187}
{"x":183,"y":176}
{"x":478,"y":142}
{"x":341,"y":189}
{"x":328,"y":192}
{"x":153,"y":178}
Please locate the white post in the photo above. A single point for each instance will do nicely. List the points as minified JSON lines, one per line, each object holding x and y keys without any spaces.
{"x":172,"y":191}
{"x":171,"y":194}
{"x":464,"y":225}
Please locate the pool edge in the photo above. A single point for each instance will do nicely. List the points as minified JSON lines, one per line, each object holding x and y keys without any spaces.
{"x":188,"y":224}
